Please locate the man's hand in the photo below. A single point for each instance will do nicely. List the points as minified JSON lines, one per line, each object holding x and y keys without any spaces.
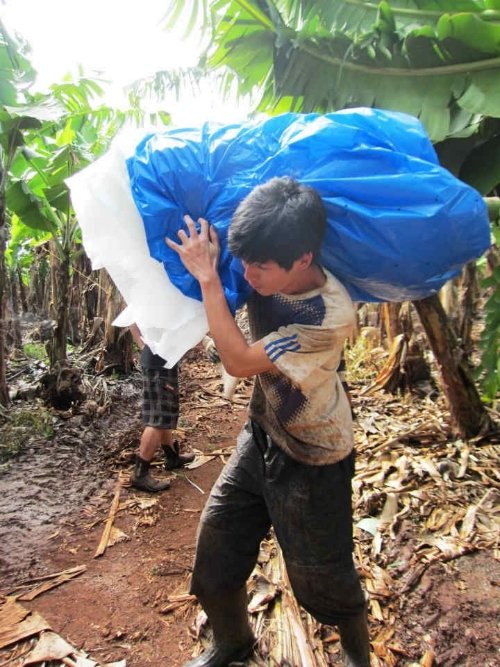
{"x":199,"y":251}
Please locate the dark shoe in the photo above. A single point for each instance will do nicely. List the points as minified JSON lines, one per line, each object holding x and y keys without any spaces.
{"x":222,"y":655}
{"x":173,"y":457}
{"x":141,"y":478}
{"x":233,"y":640}
{"x":355,"y":641}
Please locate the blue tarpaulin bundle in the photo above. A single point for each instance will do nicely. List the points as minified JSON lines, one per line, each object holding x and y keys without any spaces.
{"x":399,"y":224}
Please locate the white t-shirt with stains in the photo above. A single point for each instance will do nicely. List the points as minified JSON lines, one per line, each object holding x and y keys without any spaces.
{"x":302,"y":405}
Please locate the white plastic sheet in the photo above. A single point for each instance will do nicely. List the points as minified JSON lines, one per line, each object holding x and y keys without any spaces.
{"x":114,"y":238}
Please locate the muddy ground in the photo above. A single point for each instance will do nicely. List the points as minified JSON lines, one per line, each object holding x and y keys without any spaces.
{"x":57,"y":495}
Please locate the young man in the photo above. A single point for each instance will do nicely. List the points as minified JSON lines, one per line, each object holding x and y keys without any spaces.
{"x":294,"y":470}
{"x":160,"y":412}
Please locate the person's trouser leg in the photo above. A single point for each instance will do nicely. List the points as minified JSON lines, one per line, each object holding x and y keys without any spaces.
{"x":233,"y":639}
{"x":310,"y":509}
{"x":232,"y":525}
{"x":355,"y":640}
{"x":160,"y":411}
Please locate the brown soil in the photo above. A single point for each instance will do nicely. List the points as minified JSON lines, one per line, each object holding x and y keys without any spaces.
{"x":55,"y":501}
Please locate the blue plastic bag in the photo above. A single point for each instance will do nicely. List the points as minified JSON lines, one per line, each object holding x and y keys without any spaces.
{"x":399,"y":224}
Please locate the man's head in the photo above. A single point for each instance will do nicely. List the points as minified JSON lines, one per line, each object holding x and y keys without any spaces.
{"x":278,"y":221}
{"x":277,"y":232}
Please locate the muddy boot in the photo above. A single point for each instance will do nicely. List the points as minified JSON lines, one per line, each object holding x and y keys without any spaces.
{"x":173,"y":457}
{"x":141,"y":478}
{"x":355,"y":641}
{"x":233,"y":640}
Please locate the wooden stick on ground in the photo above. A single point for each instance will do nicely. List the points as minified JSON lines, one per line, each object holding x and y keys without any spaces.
{"x":57,"y":579}
{"x":109,"y":523}
{"x":427,"y":659}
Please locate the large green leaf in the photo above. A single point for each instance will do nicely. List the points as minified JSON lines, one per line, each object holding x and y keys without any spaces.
{"x":481,"y":94}
{"x":47,"y":109}
{"x":8,"y":93}
{"x":359,"y":15}
{"x":445,"y":72}
{"x":472,"y":31}
{"x":16,"y":71}
{"x":482,"y":166}
{"x":28,"y":208}
{"x":58,"y":198}
{"x":21,"y":241}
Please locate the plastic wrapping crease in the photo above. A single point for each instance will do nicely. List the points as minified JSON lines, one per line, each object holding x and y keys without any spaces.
{"x":399,"y":224}
{"x":114,"y":238}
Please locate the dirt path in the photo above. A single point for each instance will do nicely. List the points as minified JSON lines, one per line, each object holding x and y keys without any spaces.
{"x":113,"y":610}
{"x":56,"y":499}
{"x":57,"y":496}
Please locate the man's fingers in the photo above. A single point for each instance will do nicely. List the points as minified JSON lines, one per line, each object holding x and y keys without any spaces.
{"x":172,"y":244}
{"x":190,"y":225}
{"x":203,"y":228}
{"x":214,"y":238}
{"x":193,"y":228}
{"x":205,"y":234}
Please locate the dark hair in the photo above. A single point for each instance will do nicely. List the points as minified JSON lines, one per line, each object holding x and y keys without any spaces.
{"x":278,"y":221}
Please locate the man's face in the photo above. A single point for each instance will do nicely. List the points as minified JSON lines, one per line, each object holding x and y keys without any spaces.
{"x":269,"y":278}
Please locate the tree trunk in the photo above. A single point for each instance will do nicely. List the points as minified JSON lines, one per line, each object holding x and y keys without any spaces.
{"x":406,"y":365}
{"x":117,"y":354}
{"x":77,"y":324}
{"x":391,"y":325}
{"x":61,"y":386}
{"x":469,"y":289}
{"x":469,"y":415}
{"x":4,"y":393}
{"x":449,"y":298}
{"x":14,"y":336}
{"x":39,"y":282}
{"x":22,"y":291}
{"x":88,"y":289}
{"x":61,"y":299}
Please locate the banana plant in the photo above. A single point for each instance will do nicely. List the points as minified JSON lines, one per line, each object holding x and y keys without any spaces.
{"x":15,"y":74}
{"x":68,"y":131}
{"x":44,"y":139}
{"x":440,"y":63}
{"x":438,"y":60}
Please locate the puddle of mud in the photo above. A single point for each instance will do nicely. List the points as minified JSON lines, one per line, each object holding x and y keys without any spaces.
{"x":39,"y":489}
{"x":50,"y":483}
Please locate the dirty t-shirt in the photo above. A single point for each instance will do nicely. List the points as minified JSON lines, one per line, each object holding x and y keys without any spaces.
{"x":301,"y":405}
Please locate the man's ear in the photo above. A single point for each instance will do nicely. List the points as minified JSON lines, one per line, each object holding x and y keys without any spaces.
{"x":304,"y":262}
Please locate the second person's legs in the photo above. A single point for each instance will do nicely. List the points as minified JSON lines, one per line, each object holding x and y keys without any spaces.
{"x":160,"y":412}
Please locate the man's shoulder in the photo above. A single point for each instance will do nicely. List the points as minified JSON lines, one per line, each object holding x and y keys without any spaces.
{"x":334,"y":286}
{"x":328,"y":307}
{"x":339,"y":305}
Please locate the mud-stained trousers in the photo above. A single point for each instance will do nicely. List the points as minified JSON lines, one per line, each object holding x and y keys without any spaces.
{"x":310,"y":510}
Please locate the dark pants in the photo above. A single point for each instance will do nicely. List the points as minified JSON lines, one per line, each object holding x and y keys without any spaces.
{"x":310,"y":510}
{"x":160,"y":397}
